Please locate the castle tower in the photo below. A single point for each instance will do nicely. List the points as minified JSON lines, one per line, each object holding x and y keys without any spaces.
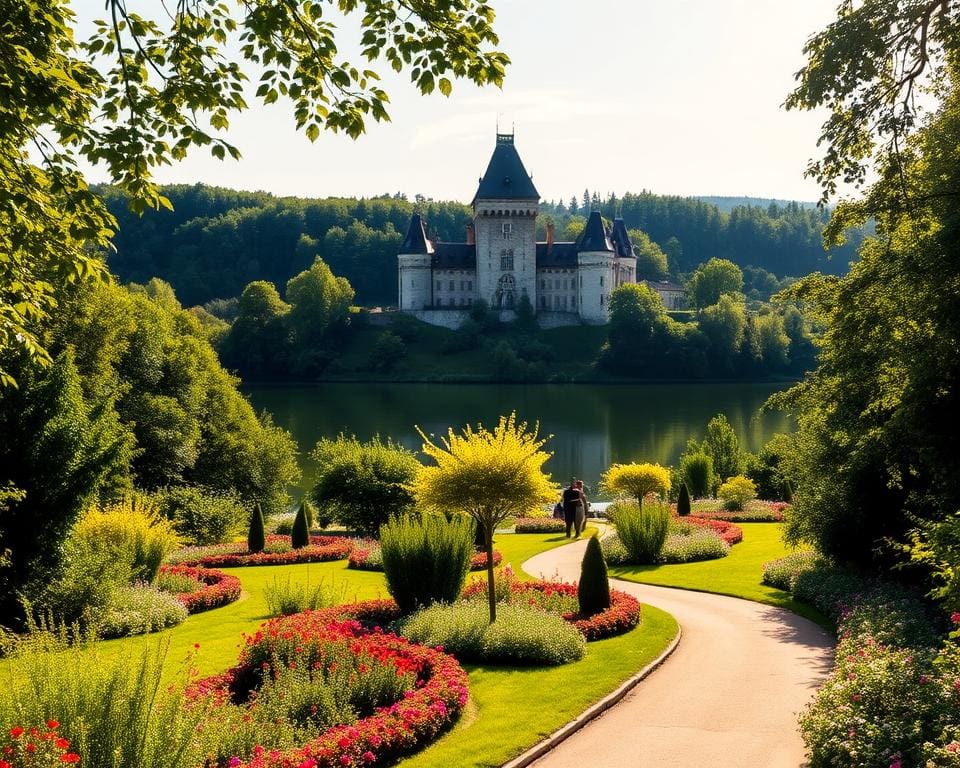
{"x":597,"y":261}
{"x":626,"y":256}
{"x":415,"y":262}
{"x":505,"y":210}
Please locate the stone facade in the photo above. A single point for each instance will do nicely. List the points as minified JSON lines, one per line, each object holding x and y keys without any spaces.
{"x":502,"y":262}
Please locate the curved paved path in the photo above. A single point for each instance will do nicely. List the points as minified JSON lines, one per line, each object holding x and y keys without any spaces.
{"x":728,"y":696}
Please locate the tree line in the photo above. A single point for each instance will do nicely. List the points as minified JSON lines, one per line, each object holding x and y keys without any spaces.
{"x":216,"y":240}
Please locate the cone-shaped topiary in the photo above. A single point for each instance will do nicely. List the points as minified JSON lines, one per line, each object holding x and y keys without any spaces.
{"x":311,"y":514}
{"x":300,"y":535}
{"x":593,"y":591}
{"x":683,"y":501}
{"x":256,"y":538}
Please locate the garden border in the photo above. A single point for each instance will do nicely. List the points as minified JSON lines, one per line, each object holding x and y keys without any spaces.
{"x":592,"y":712}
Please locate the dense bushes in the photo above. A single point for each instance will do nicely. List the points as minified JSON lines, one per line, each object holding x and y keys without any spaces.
{"x":538,"y":525}
{"x":202,"y":516}
{"x":426,"y":559}
{"x":136,"y":610}
{"x":642,"y":530}
{"x":361,"y":485}
{"x":520,"y":635}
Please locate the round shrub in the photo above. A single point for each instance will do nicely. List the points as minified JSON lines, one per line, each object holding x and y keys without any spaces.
{"x":520,"y":635}
{"x":202,"y":516}
{"x":137,"y":610}
{"x":737,"y":491}
{"x":426,"y":559}
{"x":593,"y":589}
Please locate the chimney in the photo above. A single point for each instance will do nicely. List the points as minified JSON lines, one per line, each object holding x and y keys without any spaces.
{"x":549,"y":236}
{"x":470,"y":238}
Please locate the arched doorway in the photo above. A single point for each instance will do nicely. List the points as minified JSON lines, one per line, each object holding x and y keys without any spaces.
{"x":506,"y":288}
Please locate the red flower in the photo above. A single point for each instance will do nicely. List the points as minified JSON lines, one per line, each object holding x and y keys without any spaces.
{"x":16,"y":732}
{"x":52,"y":724}
{"x":70,"y":757}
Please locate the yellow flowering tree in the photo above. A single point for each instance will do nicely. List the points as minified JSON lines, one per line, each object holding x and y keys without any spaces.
{"x":489,"y":475}
{"x":737,"y":491}
{"x":636,"y":480}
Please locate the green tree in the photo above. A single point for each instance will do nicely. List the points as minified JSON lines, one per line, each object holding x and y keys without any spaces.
{"x":387,"y":352}
{"x":722,"y":446}
{"x":774,"y":342}
{"x":593,"y":588}
{"x":142,"y":92}
{"x":737,"y":491}
{"x":258,"y":341}
{"x":488,"y":475}
{"x":56,"y":454}
{"x":725,"y":326}
{"x":712,"y":280}
{"x":651,"y":260}
{"x":256,"y":536}
{"x":683,"y":501}
{"x":300,"y":534}
{"x":319,"y":301}
{"x":362,"y":485}
{"x":696,"y":468}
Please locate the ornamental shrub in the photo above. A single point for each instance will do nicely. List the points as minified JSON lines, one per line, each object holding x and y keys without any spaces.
{"x":593,"y":589}
{"x":643,"y":530}
{"x":300,"y":534}
{"x":284,"y":598}
{"x":784,"y":572}
{"x":426,"y":559}
{"x":137,"y":610}
{"x":697,"y":471}
{"x":698,"y":544}
{"x":521,"y":634}
{"x":683,"y":501}
{"x":201,"y":515}
{"x":636,"y":480}
{"x":256,"y":537}
{"x":737,"y":491}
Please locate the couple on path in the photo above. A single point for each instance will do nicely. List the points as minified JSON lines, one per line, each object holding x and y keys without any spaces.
{"x":575,"y":507}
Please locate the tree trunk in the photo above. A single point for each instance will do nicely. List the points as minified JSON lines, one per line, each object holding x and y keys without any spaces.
{"x":491,"y":588}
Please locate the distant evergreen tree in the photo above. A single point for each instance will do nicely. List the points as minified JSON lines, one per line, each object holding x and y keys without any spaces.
{"x":593,"y":589}
{"x":573,"y":208}
{"x":256,"y":538}
{"x":586,"y":202}
{"x":300,"y":535}
{"x":683,"y":501}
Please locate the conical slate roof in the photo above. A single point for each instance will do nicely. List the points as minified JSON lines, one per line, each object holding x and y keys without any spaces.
{"x":506,"y":178}
{"x":416,"y":239}
{"x":594,"y":236}
{"x":621,"y":238}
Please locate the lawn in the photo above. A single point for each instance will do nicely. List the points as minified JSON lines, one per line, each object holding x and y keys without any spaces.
{"x":738,"y":574}
{"x":510,"y":708}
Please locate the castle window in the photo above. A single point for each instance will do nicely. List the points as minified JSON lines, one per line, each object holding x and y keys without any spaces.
{"x":556,"y":302}
{"x":439,"y":302}
{"x":543,"y":285}
{"x":439,"y":285}
{"x":462,"y":284}
{"x":601,"y":299}
{"x":601,"y":281}
{"x":470,"y":287}
{"x":453,"y":286}
{"x":411,"y":283}
{"x":506,"y":263}
{"x":507,"y":229}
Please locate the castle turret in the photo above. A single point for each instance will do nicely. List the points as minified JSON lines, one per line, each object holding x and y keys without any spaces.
{"x":415,"y":262}
{"x":505,"y":209}
{"x":596,"y":259}
{"x":626,"y":271}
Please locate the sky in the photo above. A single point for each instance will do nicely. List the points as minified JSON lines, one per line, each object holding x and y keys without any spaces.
{"x":673,"y":96}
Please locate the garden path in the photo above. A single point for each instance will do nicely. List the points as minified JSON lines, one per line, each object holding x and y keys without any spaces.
{"x":728,"y":696}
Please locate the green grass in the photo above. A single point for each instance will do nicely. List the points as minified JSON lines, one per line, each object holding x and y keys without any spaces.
{"x":511,"y":709}
{"x":739,"y":574}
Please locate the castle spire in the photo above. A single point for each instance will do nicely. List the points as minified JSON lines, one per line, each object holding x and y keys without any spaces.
{"x":594,"y":236}
{"x":416,"y":239}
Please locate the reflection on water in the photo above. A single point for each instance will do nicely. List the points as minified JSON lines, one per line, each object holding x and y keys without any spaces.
{"x":592,"y":426}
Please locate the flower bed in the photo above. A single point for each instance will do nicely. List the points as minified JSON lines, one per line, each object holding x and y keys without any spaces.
{"x":561,"y":597}
{"x":217,"y":588}
{"x":37,"y":747}
{"x":365,"y":556}
{"x":277,"y":552}
{"x":730,"y":533}
{"x":539,"y":525}
{"x":756,"y":511}
{"x":435,"y":694}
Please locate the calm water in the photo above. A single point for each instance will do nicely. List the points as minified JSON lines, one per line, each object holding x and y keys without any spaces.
{"x":592,"y":426}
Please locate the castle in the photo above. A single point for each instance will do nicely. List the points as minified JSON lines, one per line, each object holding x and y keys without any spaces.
{"x":567,"y":283}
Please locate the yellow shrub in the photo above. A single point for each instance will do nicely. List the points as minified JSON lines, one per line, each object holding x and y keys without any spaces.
{"x":130,"y":534}
{"x":737,"y":491}
{"x":636,"y":480}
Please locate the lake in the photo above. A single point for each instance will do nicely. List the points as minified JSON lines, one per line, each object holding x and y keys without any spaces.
{"x":592,"y":426}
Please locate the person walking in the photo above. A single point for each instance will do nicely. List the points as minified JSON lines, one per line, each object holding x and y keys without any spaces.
{"x":581,"y":520}
{"x":574,"y":506}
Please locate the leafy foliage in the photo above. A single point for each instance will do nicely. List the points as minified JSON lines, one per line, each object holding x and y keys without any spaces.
{"x":488,"y":475}
{"x":737,"y":491}
{"x":363,"y":484}
{"x":636,"y":480}
{"x":426,"y":559}
{"x":722,"y":446}
{"x":712,"y":280}
{"x":696,"y":468}
{"x":201,"y":516}
{"x":642,"y":530}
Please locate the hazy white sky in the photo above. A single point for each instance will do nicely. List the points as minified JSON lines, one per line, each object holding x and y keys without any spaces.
{"x":675,"y":96}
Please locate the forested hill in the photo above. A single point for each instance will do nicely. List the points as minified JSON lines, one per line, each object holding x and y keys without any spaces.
{"x":726,"y":203}
{"x":218,"y":240}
